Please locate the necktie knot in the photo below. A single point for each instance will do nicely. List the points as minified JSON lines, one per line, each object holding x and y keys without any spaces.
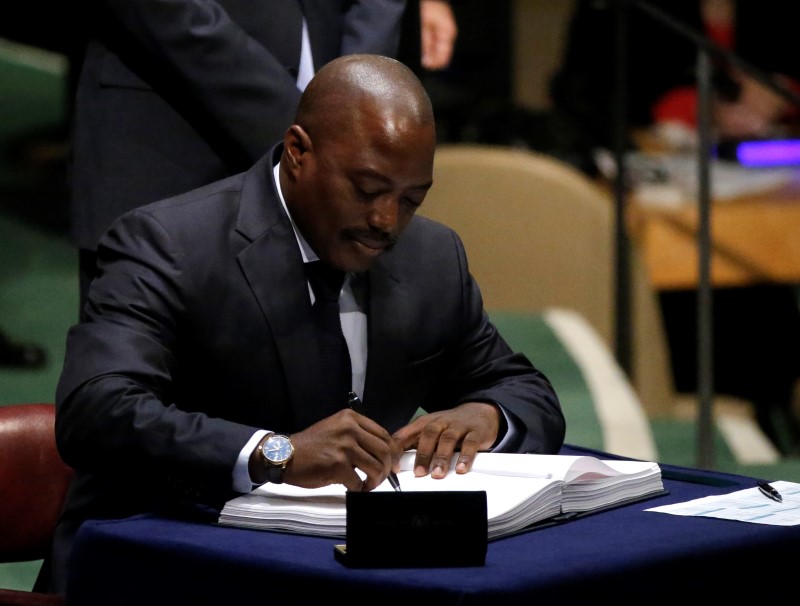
{"x":326,"y":281}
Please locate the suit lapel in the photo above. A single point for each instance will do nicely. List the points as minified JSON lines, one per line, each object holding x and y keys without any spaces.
{"x":273,"y":266}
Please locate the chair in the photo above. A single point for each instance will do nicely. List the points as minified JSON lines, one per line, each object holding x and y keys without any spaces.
{"x":539,"y":235}
{"x":33,"y":485}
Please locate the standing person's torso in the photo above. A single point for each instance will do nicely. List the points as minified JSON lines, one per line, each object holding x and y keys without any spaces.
{"x":163,"y":107}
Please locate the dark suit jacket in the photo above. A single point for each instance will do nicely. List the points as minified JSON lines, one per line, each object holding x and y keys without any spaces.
{"x":174,"y":94}
{"x":199,"y":332}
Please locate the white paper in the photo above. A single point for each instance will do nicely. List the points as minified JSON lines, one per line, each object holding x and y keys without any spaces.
{"x":748,"y":505}
{"x":520,"y":489}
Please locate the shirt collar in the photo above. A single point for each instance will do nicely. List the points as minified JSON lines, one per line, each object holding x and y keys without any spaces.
{"x":305,"y":249}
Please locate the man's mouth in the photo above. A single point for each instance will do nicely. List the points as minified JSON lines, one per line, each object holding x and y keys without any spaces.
{"x":374,"y":242}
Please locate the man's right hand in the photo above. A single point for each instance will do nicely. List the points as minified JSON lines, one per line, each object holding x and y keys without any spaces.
{"x":329,"y":452}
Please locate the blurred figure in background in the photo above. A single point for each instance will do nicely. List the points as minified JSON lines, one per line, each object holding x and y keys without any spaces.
{"x":756,"y":329}
{"x":437,"y":30}
{"x":146,"y":82}
{"x":173,"y":95}
{"x":204,"y":101}
{"x":20,"y":355}
{"x":661,"y":65}
{"x":24,"y":25}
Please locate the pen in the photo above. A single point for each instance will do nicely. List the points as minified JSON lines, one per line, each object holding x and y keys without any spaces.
{"x":770,"y":492}
{"x":354,"y":402}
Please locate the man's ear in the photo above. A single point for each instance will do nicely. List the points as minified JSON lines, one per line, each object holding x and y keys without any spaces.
{"x":296,"y":143}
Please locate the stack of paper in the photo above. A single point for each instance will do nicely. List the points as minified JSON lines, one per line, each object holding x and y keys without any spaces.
{"x":521,"y":490}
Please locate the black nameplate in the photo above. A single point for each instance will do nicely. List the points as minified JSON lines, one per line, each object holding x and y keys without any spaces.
{"x":414,"y":529}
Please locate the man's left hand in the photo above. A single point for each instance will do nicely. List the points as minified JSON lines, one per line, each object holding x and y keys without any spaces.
{"x":470,"y":427}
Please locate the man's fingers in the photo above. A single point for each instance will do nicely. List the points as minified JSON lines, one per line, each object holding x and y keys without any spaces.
{"x":375,"y":457}
{"x":354,"y":483}
{"x":464,"y":463}
{"x":408,"y":436}
{"x":470,"y":446}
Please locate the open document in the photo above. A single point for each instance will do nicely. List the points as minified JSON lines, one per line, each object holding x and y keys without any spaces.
{"x":521,"y":490}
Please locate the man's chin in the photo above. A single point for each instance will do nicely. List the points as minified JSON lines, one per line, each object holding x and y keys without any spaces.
{"x":360,"y":257}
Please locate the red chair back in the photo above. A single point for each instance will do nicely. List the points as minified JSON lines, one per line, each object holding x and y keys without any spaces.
{"x":33,"y":485}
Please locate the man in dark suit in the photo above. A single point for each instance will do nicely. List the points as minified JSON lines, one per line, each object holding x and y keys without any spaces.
{"x":174,"y":94}
{"x":200,"y":341}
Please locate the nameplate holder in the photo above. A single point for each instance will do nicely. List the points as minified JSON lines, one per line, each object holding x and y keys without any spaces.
{"x":414,"y":529}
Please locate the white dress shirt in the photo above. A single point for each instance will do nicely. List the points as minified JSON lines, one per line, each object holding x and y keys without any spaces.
{"x":352,"y":306}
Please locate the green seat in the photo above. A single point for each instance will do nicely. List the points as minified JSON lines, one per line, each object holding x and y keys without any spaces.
{"x":600,"y":406}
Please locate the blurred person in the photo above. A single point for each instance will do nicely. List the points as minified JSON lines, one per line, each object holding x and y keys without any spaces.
{"x":661,"y":66}
{"x":439,"y":31}
{"x":173,"y":94}
{"x":756,"y":330}
{"x":429,"y":34}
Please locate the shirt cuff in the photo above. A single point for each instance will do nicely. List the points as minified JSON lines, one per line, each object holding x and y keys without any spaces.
{"x":511,"y":433}
{"x":241,"y":473}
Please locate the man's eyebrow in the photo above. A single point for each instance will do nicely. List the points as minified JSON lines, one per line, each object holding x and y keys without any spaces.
{"x":370,"y":173}
{"x":378,"y":176}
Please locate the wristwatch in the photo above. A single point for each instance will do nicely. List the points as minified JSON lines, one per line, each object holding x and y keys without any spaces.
{"x":277,"y":450}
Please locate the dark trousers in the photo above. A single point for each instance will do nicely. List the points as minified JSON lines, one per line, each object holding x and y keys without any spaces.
{"x":756,"y":351}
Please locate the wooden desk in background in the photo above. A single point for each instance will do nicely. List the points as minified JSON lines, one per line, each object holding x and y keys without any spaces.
{"x":755,"y":239}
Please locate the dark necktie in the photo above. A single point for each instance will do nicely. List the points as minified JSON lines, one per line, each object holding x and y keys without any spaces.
{"x":335,"y":382}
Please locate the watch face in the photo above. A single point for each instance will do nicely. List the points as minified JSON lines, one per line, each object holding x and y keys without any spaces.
{"x":278,"y":449}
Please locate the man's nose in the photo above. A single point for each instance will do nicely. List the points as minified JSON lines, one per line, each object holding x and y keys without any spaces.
{"x":384,"y":213}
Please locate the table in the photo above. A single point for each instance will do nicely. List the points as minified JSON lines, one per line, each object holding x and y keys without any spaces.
{"x":754,"y":238}
{"x":618,"y":556}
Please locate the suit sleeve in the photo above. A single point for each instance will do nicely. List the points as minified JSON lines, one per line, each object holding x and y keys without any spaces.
{"x":115,"y":409}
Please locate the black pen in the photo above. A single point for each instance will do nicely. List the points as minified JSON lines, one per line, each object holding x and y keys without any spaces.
{"x":770,"y":492}
{"x":354,"y":402}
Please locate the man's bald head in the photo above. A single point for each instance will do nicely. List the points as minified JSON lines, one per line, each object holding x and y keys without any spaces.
{"x":350,"y":87}
{"x":358,"y":161}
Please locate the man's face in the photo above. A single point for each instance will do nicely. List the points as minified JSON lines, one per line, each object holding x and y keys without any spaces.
{"x":357,"y":191}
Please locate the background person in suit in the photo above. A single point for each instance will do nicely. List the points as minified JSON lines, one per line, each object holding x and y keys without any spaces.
{"x":174,"y":94}
{"x":199,"y":334}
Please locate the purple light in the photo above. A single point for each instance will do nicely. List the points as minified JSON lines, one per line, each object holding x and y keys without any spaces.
{"x":783,"y":152}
